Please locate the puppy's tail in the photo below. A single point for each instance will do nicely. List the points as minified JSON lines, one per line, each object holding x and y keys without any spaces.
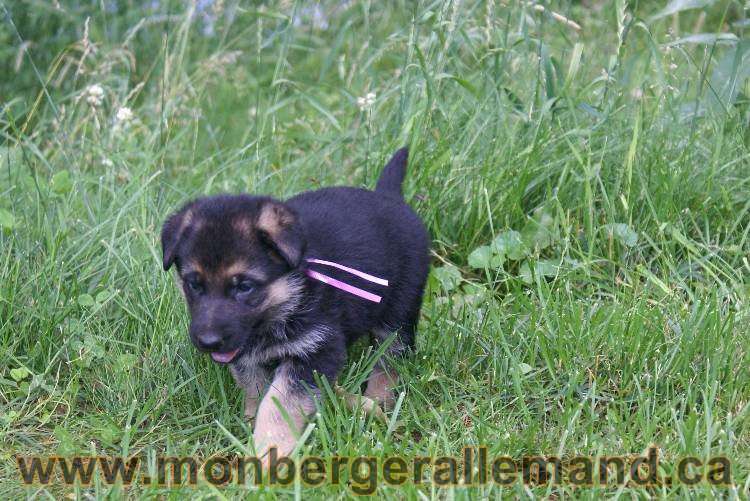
{"x":393,"y":173}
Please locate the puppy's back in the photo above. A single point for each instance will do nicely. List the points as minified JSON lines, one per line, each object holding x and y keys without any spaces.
{"x":376,"y":233}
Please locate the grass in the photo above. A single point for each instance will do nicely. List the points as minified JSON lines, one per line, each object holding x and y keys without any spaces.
{"x":587,"y":192}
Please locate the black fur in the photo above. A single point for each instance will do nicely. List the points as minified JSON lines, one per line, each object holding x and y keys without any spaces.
{"x":373,"y":231}
{"x":393,"y":174}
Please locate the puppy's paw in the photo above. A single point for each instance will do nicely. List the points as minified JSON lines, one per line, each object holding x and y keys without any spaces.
{"x":381,"y":387}
{"x":281,"y":419}
{"x":273,"y":444}
{"x":362,"y":403}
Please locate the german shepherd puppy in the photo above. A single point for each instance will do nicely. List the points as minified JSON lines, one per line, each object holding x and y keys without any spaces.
{"x":251,"y":271}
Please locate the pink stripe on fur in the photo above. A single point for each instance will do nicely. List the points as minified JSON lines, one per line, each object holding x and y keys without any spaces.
{"x":360,"y":274}
{"x":344,"y":287}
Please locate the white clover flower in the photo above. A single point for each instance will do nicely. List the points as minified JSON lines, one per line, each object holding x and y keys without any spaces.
{"x":124,"y":115}
{"x":94,"y":95}
{"x":365,"y":103}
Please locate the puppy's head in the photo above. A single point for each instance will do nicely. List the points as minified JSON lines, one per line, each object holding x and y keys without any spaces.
{"x":234,"y":255}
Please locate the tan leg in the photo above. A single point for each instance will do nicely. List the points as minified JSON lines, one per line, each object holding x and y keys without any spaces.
{"x":381,"y":385}
{"x":271,"y":428}
{"x":252,"y":379}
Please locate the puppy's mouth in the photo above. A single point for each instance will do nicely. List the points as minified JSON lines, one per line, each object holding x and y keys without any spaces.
{"x":225,"y":358}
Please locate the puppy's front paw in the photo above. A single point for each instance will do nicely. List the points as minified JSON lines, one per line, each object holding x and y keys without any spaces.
{"x":278,"y":438}
{"x":281,"y":416}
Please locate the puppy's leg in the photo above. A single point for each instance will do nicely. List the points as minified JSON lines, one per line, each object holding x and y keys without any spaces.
{"x":294,"y":389}
{"x":285,"y":395}
{"x":253,"y":380}
{"x":382,"y":382}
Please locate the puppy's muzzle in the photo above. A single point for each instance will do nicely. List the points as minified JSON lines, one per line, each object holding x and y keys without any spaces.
{"x":209,"y":341}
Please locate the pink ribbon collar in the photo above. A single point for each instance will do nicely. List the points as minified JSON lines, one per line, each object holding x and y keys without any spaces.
{"x":344,"y":286}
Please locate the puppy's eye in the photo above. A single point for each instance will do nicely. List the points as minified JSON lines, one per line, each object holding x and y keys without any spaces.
{"x":240,"y":285}
{"x":194,"y":284}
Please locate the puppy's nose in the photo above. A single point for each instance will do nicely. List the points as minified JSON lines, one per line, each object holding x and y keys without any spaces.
{"x":209,"y":340}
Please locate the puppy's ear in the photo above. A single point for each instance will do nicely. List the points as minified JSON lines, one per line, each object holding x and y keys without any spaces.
{"x":172,"y":233}
{"x":279,"y":228}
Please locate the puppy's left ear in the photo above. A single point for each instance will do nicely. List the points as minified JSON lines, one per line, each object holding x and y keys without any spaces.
{"x":278,"y":226}
{"x":172,"y":233}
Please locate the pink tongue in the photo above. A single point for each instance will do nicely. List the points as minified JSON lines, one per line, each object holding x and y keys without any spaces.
{"x":225,"y":358}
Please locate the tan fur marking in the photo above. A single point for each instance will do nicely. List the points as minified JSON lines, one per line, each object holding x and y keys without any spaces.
{"x":275,"y":220}
{"x":271,"y":220}
{"x":236,"y":268}
{"x":243,"y":268}
{"x":278,"y":292}
{"x":283,"y":295}
{"x":193,"y":267}
{"x":271,"y":428}
{"x":243,"y":226}
{"x":187,"y":220}
{"x":302,"y":347}
{"x":382,"y":384}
